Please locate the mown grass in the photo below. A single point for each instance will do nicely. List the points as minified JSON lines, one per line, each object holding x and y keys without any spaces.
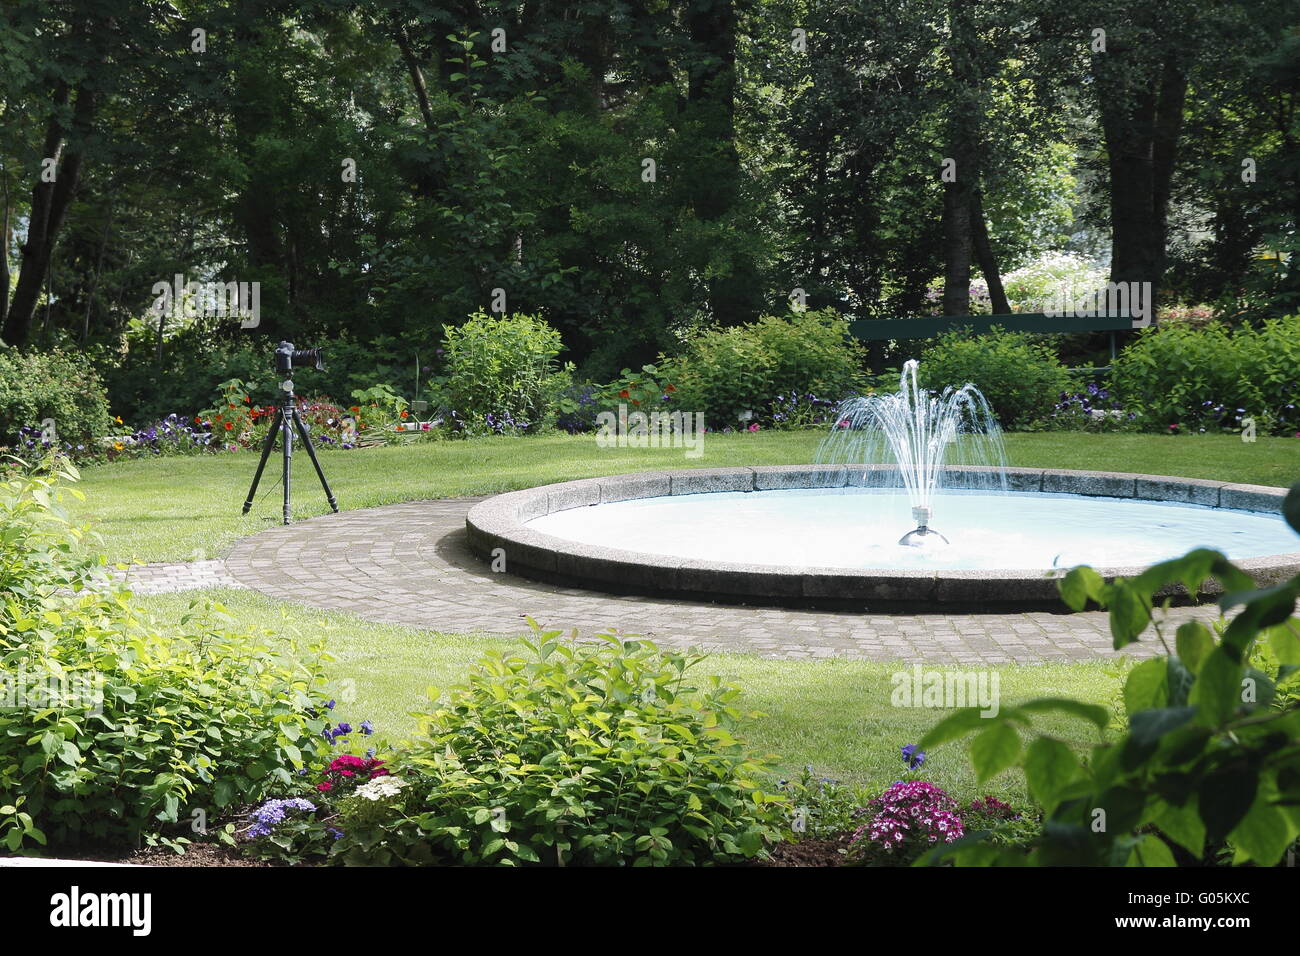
{"x":834,"y":715}
{"x":185,"y":508}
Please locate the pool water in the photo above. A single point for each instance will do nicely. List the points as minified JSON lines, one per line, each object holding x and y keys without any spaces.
{"x":860,"y":528}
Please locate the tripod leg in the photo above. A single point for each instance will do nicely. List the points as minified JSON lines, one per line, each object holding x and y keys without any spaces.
{"x":266,"y":453}
{"x":311,"y":453}
{"x":288,"y":457}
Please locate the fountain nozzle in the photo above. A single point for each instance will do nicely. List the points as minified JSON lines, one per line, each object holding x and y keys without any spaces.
{"x":922,"y":536}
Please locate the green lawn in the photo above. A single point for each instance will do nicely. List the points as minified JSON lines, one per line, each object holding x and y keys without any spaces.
{"x":189,"y":507}
{"x":835,"y":715}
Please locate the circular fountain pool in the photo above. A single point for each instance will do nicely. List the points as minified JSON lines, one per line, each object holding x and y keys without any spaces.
{"x":790,"y":533}
{"x":859,"y":528}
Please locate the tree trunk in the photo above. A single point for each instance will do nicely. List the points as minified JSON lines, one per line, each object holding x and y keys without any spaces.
{"x":4,"y":253}
{"x":957,"y":246}
{"x":984,"y":255}
{"x":417,"y":77}
{"x":50,"y":202}
{"x":1141,"y":128}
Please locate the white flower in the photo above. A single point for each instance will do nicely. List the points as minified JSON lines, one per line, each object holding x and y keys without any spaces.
{"x":381,"y":788}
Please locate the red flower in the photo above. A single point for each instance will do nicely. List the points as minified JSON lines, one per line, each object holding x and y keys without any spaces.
{"x":404,"y":415}
{"x":624,"y":394}
{"x":229,"y":426}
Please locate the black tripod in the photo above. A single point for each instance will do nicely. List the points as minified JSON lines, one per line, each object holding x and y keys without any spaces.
{"x":286,"y":421}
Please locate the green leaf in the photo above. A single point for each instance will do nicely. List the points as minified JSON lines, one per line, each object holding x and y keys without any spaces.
{"x":1146,"y":686}
{"x":994,"y":750}
{"x":1152,"y":851}
{"x":1264,"y":832}
{"x":957,"y":724}
{"x":1093,"y":713}
{"x":1284,"y":641}
{"x":1079,"y":585}
{"x":1183,"y":825}
{"x":1050,"y":767}
{"x":1225,"y":798}
{"x":1129,"y":614}
{"x":1217,"y":691}
{"x":1291,"y":507}
{"x":1194,"y":643}
{"x":1178,"y":681}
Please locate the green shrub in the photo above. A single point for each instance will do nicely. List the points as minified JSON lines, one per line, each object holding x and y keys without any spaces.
{"x":1213,"y":377}
{"x":754,"y":367}
{"x":110,"y":728}
{"x":35,"y":386}
{"x":576,"y":753}
{"x":1021,"y":379}
{"x":502,"y":374}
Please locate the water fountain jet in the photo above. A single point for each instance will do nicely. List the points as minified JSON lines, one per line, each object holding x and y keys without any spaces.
{"x":914,"y":439}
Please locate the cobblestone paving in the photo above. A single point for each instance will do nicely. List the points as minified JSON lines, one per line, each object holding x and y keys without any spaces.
{"x":165,"y":578}
{"x":409,"y":564}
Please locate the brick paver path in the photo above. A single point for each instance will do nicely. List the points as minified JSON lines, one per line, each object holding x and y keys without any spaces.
{"x":184,"y":576}
{"x":409,"y":564}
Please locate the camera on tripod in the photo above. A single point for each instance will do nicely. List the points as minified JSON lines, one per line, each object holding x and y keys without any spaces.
{"x":288,"y":422}
{"x":286,"y":357}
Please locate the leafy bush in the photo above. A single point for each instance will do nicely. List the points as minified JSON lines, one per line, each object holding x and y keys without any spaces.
{"x":1021,"y":379}
{"x":35,"y":386}
{"x":110,"y":728}
{"x":822,"y":808}
{"x":1211,"y":377}
{"x":575,"y":753}
{"x":1209,"y":766}
{"x":197,"y":359}
{"x":751,"y":368}
{"x":502,"y":374}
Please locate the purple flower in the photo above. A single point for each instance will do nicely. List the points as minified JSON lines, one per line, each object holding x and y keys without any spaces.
{"x":270,"y":814}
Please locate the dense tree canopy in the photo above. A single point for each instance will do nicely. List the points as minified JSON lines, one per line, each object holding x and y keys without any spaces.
{"x":630,"y":169}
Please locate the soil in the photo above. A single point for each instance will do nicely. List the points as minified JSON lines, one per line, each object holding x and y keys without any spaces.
{"x":810,"y":852}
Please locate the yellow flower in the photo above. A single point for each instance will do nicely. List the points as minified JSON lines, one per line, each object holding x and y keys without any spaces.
{"x":118,"y":419}
{"x":117,"y":446}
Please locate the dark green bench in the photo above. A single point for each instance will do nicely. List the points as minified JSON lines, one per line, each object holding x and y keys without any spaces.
{"x":882,"y":330}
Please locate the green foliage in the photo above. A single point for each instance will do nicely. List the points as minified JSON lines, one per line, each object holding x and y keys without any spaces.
{"x":646,"y":387}
{"x":568,"y":752}
{"x":1214,"y":377}
{"x":35,"y":386}
{"x":502,"y":374}
{"x":1209,"y":759}
{"x":821,"y":808}
{"x":725,"y":372}
{"x":110,"y":728}
{"x":1021,"y":379}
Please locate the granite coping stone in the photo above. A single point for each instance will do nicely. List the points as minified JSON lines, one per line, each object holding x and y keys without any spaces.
{"x":500,"y":522}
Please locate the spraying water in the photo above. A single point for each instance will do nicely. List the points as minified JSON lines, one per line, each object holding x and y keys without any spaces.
{"x":920,"y":441}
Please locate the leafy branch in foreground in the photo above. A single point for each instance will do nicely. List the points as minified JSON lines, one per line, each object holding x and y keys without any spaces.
{"x":1209,"y":763}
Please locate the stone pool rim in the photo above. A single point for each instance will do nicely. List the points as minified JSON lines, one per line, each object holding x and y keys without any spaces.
{"x":500,"y":522}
